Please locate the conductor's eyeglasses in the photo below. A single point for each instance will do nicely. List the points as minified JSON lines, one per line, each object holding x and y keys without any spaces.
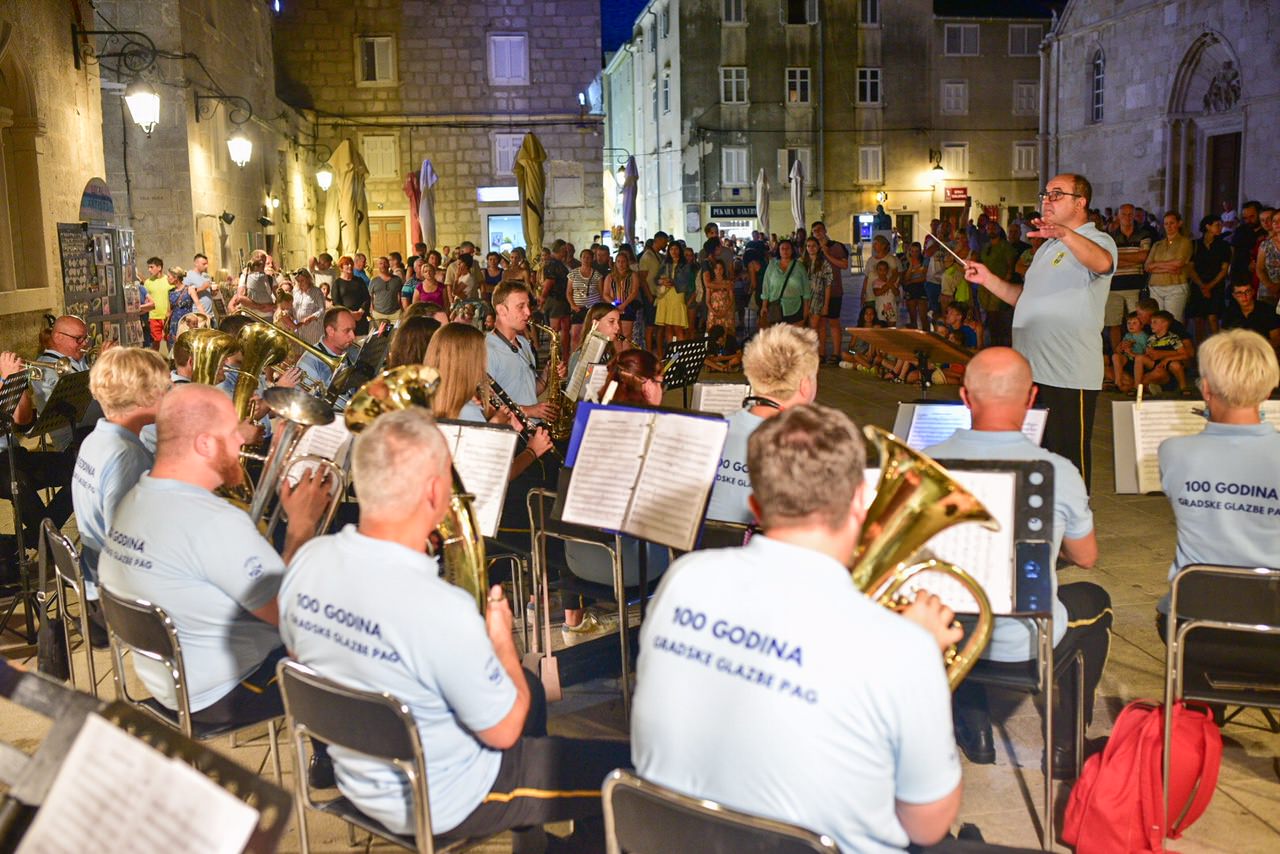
{"x":1055,"y":195}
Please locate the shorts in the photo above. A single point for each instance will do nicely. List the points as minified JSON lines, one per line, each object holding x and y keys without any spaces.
{"x":555,"y":307}
{"x":1119,"y":303}
{"x":916,"y":290}
{"x":578,"y":317}
{"x":833,"y":307}
{"x":631,"y":311}
{"x":156,"y":324}
{"x":650,"y":313}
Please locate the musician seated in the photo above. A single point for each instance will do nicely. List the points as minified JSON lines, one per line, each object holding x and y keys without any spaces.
{"x":1237,"y":454}
{"x":998,"y":391}
{"x":604,"y":319}
{"x":217,"y":577}
{"x":511,"y":358}
{"x":482,"y":718}
{"x":183,"y":365}
{"x":339,"y":336}
{"x":409,"y":341}
{"x":781,"y":364}
{"x":768,"y":683}
{"x":68,"y":339}
{"x":35,"y":470}
{"x":128,"y":382}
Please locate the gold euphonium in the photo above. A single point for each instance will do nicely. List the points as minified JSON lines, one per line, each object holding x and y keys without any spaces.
{"x":462,"y":543}
{"x":338,"y":365}
{"x":261,"y":346}
{"x":917,"y":498}
{"x":209,"y":349}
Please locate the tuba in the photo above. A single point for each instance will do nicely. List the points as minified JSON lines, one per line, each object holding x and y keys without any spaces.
{"x":916,"y":498}
{"x":209,"y":349}
{"x":561,"y":427}
{"x":462,"y":543}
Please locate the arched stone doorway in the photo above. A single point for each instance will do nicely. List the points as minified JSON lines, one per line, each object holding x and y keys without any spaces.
{"x":1205,"y":130}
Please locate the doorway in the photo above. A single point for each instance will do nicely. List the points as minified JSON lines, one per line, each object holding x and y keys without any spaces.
{"x":905,"y":223}
{"x":1223,"y":171}
{"x":386,"y":235}
{"x":503,"y":230}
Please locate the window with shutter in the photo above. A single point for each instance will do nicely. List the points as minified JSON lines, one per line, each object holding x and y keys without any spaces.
{"x":870,"y":164}
{"x":1024,"y":39}
{"x":960,"y":39}
{"x":787,"y":158}
{"x":955,"y":97}
{"x":375,"y":60}
{"x":380,"y":155}
{"x":508,"y":59}
{"x":1024,"y":159}
{"x":733,"y":161}
{"x":505,"y":148}
{"x":955,"y":159}
{"x":1026,"y":97}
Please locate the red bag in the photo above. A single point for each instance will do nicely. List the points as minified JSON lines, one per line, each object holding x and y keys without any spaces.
{"x":1117,"y":807}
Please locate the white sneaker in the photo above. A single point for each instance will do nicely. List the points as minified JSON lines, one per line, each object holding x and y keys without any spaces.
{"x":589,"y":628}
{"x":846,"y":365}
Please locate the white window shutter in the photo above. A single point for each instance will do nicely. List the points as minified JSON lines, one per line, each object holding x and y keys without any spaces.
{"x":805,"y":156}
{"x":784,"y":167}
{"x":382,"y":59}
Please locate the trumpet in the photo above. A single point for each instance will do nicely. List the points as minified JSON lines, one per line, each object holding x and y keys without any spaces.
{"x":36,"y":371}
{"x":916,"y":498}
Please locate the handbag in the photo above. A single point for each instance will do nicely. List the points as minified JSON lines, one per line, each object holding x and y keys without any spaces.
{"x":775,"y":307}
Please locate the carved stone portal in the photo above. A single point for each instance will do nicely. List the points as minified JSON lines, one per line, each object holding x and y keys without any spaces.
{"x":1224,"y":89}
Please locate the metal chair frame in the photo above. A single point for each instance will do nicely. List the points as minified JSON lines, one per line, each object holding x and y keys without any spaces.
{"x":404,"y":751}
{"x":1046,"y":674}
{"x":67,"y":573}
{"x":1176,"y":634}
{"x":172,"y":660}
{"x":519,"y":562}
{"x":795,"y":839}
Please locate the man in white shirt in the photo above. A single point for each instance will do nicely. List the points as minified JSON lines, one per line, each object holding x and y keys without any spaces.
{"x":128,"y":382}
{"x":998,"y":391}
{"x":482,"y":718}
{"x":781,"y":363}
{"x":175,"y":543}
{"x":767,"y":682}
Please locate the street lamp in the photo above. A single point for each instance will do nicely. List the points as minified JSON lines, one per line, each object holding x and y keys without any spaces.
{"x":144,"y":105}
{"x":324,"y":177}
{"x":240,"y":147}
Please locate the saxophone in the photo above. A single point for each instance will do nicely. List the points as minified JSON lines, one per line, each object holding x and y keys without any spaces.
{"x":561,"y":427}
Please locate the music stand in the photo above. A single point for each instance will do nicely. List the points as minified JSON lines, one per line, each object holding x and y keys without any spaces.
{"x":369,"y":362}
{"x":914,"y":344}
{"x":66,"y":406}
{"x":684,"y":363}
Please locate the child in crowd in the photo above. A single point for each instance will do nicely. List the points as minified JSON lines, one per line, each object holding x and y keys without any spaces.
{"x":723,"y":353}
{"x":862,"y":355}
{"x":886,"y":295}
{"x":284,"y":310}
{"x":1132,"y":345}
{"x":1166,"y":356}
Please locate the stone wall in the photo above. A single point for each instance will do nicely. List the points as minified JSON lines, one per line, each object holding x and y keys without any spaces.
{"x":51,"y":149}
{"x":439,"y":103}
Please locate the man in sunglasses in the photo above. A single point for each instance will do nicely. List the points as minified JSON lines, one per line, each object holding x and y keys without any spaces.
{"x":1059,"y":311}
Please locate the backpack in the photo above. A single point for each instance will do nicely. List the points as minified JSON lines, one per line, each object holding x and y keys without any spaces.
{"x":1117,"y":807}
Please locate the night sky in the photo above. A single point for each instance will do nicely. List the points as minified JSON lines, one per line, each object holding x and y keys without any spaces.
{"x":617,"y":16}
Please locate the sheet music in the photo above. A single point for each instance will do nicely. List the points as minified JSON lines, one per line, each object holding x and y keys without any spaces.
{"x":596,"y":376}
{"x":986,"y":555}
{"x":482,"y":456}
{"x":116,"y":793}
{"x":331,"y":441}
{"x":1153,"y":422}
{"x":680,"y":467}
{"x":934,"y":423}
{"x":592,"y":351}
{"x":720,"y":398}
{"x":606,"y":468}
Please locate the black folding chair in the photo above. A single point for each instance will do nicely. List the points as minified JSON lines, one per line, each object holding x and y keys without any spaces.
{"x":144,"y":629}
{"x":374,"y":724}
{"x":641,"y":817}
{"x":67,"y":575}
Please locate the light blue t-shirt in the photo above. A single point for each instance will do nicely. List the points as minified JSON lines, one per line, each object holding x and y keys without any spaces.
{"x":471,"y":411}
{"x":200,"y":280}
{"x":425,"y":644}
{"x":1224,"y":487}
{"x":767,"y":682}
{"x":204,"y":562}
{"x":1014,"y":639}
{"x":318,"y":370}
{"x":516,"y":372}
{"x":42,"y":387}
{"x":733,"y":483}
{"x":1057,"y":322}
{"x":110,"y":462}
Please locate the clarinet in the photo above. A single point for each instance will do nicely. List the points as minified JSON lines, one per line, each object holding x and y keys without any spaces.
{"x":498,"y":397}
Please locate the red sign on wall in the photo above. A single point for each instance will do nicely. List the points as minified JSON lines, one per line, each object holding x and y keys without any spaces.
{"x":957,"y":194}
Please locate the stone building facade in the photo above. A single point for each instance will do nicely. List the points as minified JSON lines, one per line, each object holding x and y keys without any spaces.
{"x":459,"y":83}
{"x":50,"y":146}
{"x":869,"y":96}
{"x":175,"y":185}
{"x":1169,"y":106}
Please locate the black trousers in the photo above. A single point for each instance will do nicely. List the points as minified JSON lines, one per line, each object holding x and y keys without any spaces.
{"x":39,"y":470}
{"x":544,"y":779}
{"x":255,"y":699}
{"x":1069,"y":430}
{"x":1089,"y":619}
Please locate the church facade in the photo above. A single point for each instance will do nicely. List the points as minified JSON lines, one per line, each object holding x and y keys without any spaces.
{"x":1168,"y":105}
